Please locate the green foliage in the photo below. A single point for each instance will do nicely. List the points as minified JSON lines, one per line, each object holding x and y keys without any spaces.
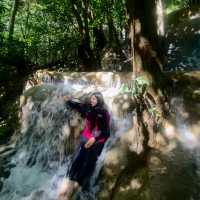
{"x":136,"y":87}
{"x":153,"y":111}
{"x":45,"y":29}
{"x":2,"y":13}
{"x":172,"y":5}
{"x":119,"y":13}
{"x":48,"y":29}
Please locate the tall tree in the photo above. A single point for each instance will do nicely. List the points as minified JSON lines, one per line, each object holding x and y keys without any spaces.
{"x":147,"y":91}
{"x":12,"y":19}
{"x":145,"y":36}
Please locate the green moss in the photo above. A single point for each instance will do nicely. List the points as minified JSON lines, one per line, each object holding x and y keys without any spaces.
{"x":171,"y":9}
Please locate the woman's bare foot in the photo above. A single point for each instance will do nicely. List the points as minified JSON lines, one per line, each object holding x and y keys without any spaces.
{"x":66,"y":189}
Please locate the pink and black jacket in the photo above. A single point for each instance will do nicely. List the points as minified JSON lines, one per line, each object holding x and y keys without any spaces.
{"x":97,"y":121}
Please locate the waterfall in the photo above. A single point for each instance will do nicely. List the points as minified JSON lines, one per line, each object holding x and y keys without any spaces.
{"x":47,"y":138}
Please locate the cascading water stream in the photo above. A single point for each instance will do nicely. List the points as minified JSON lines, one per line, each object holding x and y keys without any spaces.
{"x":45,"y":144}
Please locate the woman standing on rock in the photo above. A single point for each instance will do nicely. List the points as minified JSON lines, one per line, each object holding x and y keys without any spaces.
{"x":93,"y":137}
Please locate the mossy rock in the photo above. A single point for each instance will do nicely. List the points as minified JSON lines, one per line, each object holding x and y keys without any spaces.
{"x":39,"y":93}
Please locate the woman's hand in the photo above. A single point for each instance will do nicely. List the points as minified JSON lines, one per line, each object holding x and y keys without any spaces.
{"x":65,"y":98}
{"x":90,"y":142}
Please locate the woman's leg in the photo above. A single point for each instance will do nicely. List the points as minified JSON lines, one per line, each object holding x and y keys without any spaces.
{"x":81,"y":169}
{"x":77,"y":164}
{"x":90,"y":161}
{"x":66,"y":189}
{"x":69,"y":183}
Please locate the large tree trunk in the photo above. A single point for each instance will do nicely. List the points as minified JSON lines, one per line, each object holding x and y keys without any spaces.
{"x":86,"y":17}
{"x":142,"y":33}
{"x":145,"y":35}
{"x":77,"y":16}
{"x":133,"y":146}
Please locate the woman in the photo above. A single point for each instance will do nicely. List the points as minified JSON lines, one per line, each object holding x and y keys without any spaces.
{"x":93,"y":137}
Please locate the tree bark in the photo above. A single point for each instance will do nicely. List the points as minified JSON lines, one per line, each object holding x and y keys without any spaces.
{"x":144,"y":43}
{"x":12,"y":19}
{"x":144,"y":38}
{"x":85,"y":17}
{"x":77,"y":16}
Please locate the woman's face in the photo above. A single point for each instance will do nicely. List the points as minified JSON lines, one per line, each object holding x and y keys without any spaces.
{"x":93,"y":100}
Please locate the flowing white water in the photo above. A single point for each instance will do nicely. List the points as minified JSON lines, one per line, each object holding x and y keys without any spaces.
{"x":44,"y":145}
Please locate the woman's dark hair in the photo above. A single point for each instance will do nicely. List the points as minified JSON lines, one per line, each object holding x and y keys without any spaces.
{"x":100,"y":100}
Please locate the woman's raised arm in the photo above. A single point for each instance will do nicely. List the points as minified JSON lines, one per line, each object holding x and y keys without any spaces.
{"x":74,"y":104}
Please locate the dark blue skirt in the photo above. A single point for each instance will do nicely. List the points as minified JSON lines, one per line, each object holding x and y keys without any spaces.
{"x":83,"y":163}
